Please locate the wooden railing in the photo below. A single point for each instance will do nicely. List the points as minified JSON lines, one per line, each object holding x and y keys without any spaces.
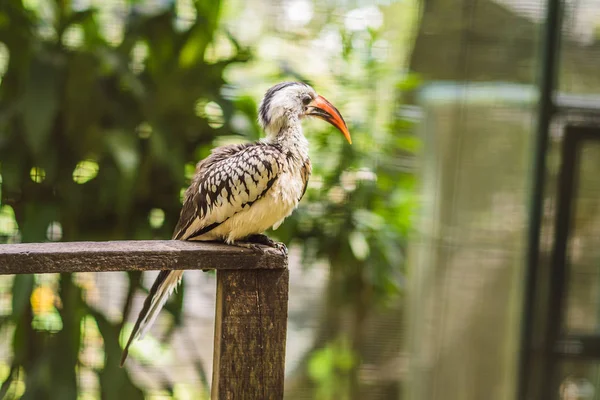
{"x":251,"y":305}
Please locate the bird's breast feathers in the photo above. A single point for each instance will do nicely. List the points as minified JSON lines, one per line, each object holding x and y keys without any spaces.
{"x":240,"y":193}
{"x":267,"y":212}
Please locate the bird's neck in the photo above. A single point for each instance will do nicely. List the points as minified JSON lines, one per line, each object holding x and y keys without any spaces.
{"x":290,"y":139}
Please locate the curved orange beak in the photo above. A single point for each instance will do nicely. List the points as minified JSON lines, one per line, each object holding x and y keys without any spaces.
{"x":321,"y":108}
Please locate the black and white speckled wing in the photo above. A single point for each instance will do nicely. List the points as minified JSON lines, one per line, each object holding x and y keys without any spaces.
{"x":228,"y":181}
{"x":305,"y":173}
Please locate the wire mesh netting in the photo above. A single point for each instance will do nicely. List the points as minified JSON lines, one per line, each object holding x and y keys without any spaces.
{"x":468,"y":263}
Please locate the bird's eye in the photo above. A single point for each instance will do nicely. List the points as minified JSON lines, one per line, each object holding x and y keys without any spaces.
{"x":306,"y":100}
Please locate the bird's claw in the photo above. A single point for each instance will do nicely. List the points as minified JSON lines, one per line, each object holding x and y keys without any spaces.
{"x":251,"y":246}
{"x":256,"y":247}
{"x":281,"y":247}
{"x":276,"y":245}
{"x":265,"y":240}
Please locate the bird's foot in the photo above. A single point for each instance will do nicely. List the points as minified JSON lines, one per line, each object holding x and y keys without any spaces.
{"x":265,"y":240}
{"x":251,"y":246}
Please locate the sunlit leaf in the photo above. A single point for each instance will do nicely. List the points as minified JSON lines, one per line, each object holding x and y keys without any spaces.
{"x":359,"y":245}
{"x":8,"y":223}
{"x":49,"y":322}
{"x":193,"y":51}
{"x":320,"y":364}
{"x":214,"y":114}
{"x":85,"y":171}
{"x":4,"y":371}
{"x":139,"y":54}
{"x":4,"y":59}
{"x":92,"y":351}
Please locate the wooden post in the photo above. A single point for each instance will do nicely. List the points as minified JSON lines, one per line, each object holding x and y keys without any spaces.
{"x":250,"y":333}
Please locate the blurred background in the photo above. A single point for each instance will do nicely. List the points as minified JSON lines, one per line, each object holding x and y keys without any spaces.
{"x":408,"y":252}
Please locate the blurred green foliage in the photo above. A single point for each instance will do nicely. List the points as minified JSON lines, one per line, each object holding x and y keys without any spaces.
{"x":358,"y":219}
{"x":329,"y":367}
{"x":99,"y":132}
{"x":94,"y":137}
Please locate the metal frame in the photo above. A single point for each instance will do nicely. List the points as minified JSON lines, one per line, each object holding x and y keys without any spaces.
{"x":548,"y":79}
{"x":558,"y":347}
{"x":540,"y":379}
{"x":558,"y":268}
{"x":536,"y":366}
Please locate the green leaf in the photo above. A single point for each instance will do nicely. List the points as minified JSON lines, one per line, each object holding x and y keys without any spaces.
{"x":358,"y":245}
{"x":22,"y":288}
{"x":40,"y":103}
{"x":193,"y":50}
{"x":115,"y":382}
{"x":123,"y":147}
{"x":320,"y":364}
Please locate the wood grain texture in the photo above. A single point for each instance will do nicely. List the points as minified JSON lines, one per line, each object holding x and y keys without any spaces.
{"x":250,"y":334}
{"x":29,"y":258}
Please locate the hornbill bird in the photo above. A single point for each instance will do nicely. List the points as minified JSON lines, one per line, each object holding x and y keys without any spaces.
{"x":239,"y":191}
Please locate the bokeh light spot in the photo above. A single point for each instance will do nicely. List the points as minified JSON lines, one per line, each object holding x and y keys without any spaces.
{"x":54,"y":232}
{"x":156,"y":218}
{"x":85,"y":171}
{"x":73,"y":36}
{"x":37,"y":174}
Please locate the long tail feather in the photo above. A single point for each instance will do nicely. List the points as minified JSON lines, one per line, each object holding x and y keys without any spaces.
{"x":162,"y":288}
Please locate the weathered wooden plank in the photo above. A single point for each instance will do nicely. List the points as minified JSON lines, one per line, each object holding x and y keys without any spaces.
{"x":250,"y":333}
{"x":141,"y":255}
